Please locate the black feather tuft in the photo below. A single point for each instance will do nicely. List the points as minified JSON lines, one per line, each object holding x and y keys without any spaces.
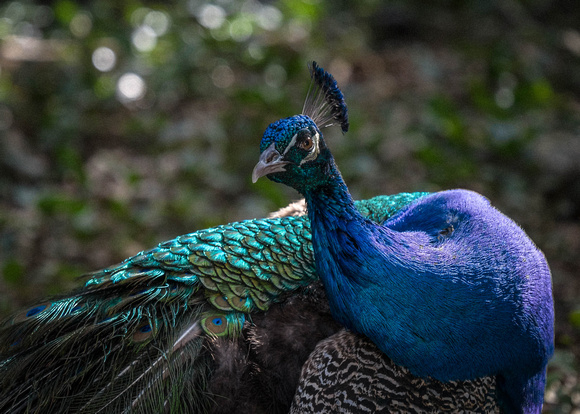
{"x":325,"y":102}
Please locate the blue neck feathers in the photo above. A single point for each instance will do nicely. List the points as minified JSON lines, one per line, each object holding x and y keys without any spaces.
{"x":449,"y":288}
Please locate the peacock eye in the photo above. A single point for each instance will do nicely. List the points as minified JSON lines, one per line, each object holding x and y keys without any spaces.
{"x":306,"y":144}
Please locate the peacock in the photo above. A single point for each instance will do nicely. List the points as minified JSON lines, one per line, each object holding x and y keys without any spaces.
{"x":233,"y":318}
{"x":448,"y":287}
{"x":227,"y":319}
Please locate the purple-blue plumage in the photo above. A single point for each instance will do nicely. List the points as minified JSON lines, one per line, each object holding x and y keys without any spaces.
{"x":449,"y":288}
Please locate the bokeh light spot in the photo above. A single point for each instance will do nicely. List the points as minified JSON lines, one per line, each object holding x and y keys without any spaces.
{"x":15,"y":11}
{"x":269,"y":18}
{"x":104,"y":59}
{"x":223,"y":76}
{"x":131,"y":87}
{"x":571,"y":39}
{"x":275,"y":76}
{"x":211,"y":16}
{"x":504,"y":98}
{"x":158,"y":21}
{"x":144,"y":38}
{"x":241,"y":30}
{"x":81,"y":25}
{"x":255,"y":51}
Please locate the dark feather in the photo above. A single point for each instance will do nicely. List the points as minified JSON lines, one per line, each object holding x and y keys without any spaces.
{"x":325,"y":101}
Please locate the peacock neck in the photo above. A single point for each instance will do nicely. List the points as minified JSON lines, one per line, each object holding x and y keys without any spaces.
{"x":330,"y":199}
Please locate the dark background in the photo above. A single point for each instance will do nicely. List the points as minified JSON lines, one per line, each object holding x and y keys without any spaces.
{"x":96,"y":165}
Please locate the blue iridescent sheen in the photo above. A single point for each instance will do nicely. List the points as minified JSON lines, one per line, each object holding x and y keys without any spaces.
{"x":282,"y":128}
{"x":449,"y":287}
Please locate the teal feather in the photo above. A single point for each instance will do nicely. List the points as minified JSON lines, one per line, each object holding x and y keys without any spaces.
{"x":138,"y":336}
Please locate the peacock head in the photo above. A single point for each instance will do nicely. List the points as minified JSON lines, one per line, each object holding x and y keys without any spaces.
{"x":293,"y":151}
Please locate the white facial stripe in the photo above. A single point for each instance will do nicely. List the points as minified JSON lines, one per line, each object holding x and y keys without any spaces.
{"x":291,"y":144}
{"x":314,"y":152}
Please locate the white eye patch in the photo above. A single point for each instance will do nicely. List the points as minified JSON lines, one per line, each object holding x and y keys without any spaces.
{"x":313,"y":154}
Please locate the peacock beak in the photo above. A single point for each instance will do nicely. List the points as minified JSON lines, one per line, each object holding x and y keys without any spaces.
{"x":270,"y":162}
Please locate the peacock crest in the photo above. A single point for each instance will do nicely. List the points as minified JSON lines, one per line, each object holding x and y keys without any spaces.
{"x":324,"y":103}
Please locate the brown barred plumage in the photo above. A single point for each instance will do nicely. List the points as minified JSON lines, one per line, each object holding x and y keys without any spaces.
{"x":347,"y":373}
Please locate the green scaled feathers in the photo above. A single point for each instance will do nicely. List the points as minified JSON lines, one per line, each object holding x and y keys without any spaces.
{"x":244,"y":266}
{"x":135,"y":337}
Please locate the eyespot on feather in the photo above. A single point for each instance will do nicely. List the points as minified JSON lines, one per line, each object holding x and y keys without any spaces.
{"x":77,"y":308}
{"x":220,"y":302}
{"x":143,"y":332}
{"x":215,"y":325}
{"x":31,"y":312}
{"x":241,"y":304}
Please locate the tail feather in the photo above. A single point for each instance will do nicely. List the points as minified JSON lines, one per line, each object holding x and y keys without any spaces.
{"x":108,"y":342}
{"x":178,"y":328}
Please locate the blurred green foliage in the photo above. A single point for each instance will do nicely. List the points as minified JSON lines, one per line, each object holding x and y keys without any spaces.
{"x":123,"y":124}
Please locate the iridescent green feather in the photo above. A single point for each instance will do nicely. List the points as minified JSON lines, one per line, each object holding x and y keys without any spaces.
{"x":132,"y":339}
{"x":227,"y":259}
